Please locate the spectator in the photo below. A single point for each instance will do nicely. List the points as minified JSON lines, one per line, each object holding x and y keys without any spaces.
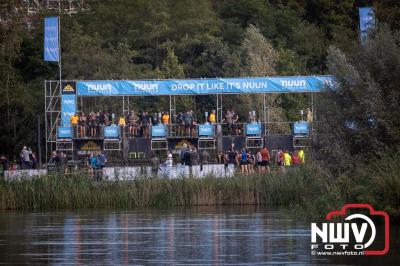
{"x":194,"y":157}
{"x":82,"y":125}
{"x":165,"y":118}
{"x":229,"y":121}
{"x":34,"y":161}
{"x":4,"y":163}
{"x":145,"y":124}
{"x":186,"y":157}
{"x":301,"y":156}
{"x":194,"y":123}
{"x":102,"y":160}
{"x":259,"y":161}
{"x":122,"y":124}
{"x":243,"y":161}
{"x":182,"y":153}
{"x":155,"y":164}
{"x":25,"y":155}
{"x":107,"y":120}
{"x":279,"y":159}
{"x":287,"y":159}
{"x":250,"y":162}
{"x":232,"y":157}
{"x":94,"y":163}
{"x":169,"y":160}
{"x":133,"y":124}
{"x":309,"y":115}
{"x":204,"y":158}
{"x":295,"y":159}
{"x":265,"y":159}
{"x":181,"y":124}
{"x":74,"y":123}
{"x":188,"y":123}
{"x":235,"y":123}
{"x":212,"y":118}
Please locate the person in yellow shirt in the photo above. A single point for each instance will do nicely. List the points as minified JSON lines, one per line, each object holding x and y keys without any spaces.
{"x":212,"y":117}
{"x":74,"y":122}
{"x":122,"y":124}
{"x":287,"y":159}
{"x":301,"y":156}
{"x":165,"y":118}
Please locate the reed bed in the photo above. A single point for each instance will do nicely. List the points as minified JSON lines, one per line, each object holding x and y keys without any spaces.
{"x":77,"y":192}
{"x":308,"y":188}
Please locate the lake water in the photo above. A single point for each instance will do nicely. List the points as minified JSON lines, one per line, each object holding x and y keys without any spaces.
{"x":203,"y":236}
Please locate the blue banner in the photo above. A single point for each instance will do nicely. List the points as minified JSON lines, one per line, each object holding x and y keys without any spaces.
{"x":253,"y":129}
{"x":51,"y":41}
{"x":64,"y":133}
{"x":206,"y":131}
{"x":301,"y":128}
{"x":158,"y":131}
{"x":367,"y":21}
{"x":204,"y":86}
{"x":68,"y":109}
{"x":111,"y":132}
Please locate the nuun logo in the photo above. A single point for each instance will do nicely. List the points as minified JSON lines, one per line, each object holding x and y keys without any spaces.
{"x":68,"y":102}
{"x":293,"y":83}
{"x":146,"y":87}
{"x":104,"y":88}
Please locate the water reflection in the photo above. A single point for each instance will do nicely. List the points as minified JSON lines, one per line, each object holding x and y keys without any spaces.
{"x":194,"y":236}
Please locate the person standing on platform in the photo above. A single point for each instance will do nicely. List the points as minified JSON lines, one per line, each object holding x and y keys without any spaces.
{"x":181,"y":124}
{"x":212,"y":118}
{"x":194,"y":123}
{"x":82,"y":125}
{"x":188,"y":123}
{"x":74,"y":124}
{"x":165,"y":118}
{"x":145,"y":124}
{"x":122,"y":124}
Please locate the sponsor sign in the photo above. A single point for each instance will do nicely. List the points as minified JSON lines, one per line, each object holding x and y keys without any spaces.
{"x":158,"y":131}
{"x":351,"y":231}
{"x":301,"y":128}
{"x":68,"y":87}
{"x":84,"y":147}
{"x":68,"y":109}
{"x":111,"y":132}
{"x":64,"y":132}
{"x":203,"y":86}
{"x":206,"y":131}
{"x":253,"y":129}
{"x":51,"y":39}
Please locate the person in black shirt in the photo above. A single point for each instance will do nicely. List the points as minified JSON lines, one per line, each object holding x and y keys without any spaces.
{"x":145,"y":124}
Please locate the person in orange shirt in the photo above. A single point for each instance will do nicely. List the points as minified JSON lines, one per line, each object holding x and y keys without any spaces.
{"x":165,"y":118}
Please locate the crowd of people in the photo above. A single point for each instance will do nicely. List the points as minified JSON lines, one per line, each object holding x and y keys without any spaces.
{"x":260,"y":161}
{"x":138,"y":124}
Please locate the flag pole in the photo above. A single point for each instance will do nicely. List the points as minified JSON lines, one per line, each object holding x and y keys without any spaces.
{"x":59,"y":49}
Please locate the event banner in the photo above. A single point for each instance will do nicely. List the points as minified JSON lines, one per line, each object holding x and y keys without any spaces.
{"x":51,"y":44}
{"x":204,"y":86}
{"x":68,"y":87}
{"x":367,"y":21}
{"x":68,"y":109}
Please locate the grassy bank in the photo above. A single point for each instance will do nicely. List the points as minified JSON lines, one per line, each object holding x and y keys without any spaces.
{"x":307,"y":188}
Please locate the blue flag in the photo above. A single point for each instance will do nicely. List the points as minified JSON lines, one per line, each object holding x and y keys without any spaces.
{"x":367,"y":21}
{"x":51,"y":42}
